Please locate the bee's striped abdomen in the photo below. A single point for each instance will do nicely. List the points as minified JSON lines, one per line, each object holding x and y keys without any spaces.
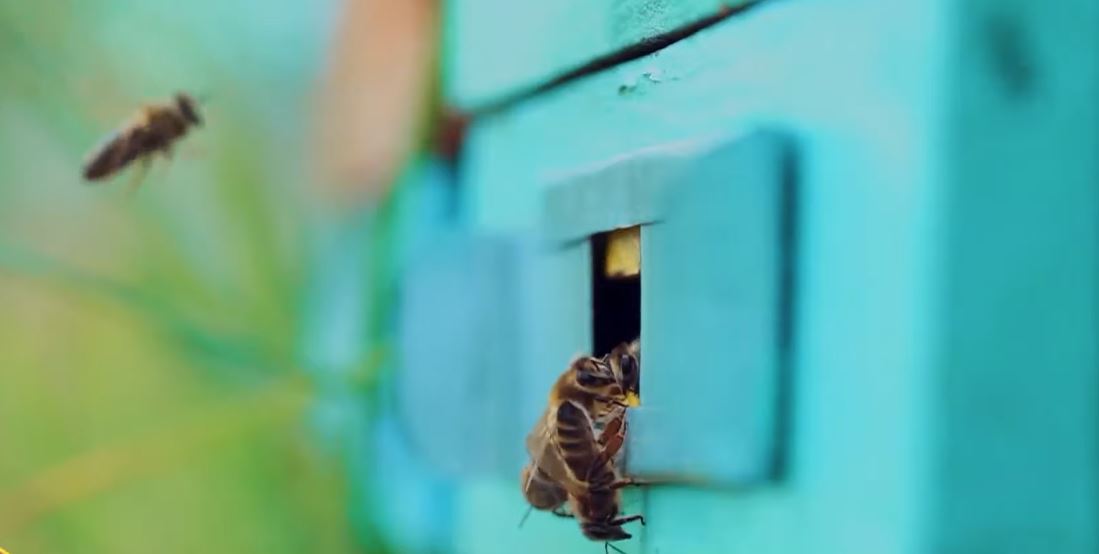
{"x":575,"y":440}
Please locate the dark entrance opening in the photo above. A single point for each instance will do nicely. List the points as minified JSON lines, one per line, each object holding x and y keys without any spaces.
{"x":615,"y":288}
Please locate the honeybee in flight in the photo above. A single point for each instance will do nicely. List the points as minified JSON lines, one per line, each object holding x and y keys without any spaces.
{"x":154,"y":129}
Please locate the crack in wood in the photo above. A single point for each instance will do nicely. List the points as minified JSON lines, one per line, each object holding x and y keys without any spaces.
{"x":449,"y":148}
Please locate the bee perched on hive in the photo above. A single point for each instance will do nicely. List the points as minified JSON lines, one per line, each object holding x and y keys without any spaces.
{"x":155,"y":128}
{"x":596,"y":504}
{"x":547,"y":493}
{"x":590,"y":384}
{"x":574,"y":446}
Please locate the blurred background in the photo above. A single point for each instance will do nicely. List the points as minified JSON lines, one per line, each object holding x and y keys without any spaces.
{"x":328,"y":322}
{"x":155,"y":390}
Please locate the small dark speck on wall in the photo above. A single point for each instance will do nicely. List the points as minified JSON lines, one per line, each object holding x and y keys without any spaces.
{"x":1011,"y":58}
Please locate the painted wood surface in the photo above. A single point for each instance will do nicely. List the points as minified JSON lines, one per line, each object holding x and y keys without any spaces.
{"x":944,"y":383}
{"x":1016,"y":387}
{"x":865,"y":109}
{"x":496,"y":47}
{"x":711,"y":302}
{"x":712,"y":219}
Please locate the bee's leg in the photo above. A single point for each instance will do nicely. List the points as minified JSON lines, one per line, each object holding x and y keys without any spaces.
{"x":606,"y":455}
{"x":560,"y":512}
{"x":611,"y":428}
{"x":611,"y":440}
{"x":628,"y":482}
{"x":139,"y":175}
{"x":627,"y":519}
{"x":168,"y":152}
{"x":615,"y":485}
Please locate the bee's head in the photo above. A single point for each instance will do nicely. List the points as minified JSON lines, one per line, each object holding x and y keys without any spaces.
{"x":188,"y":107}
{"x":625,"y":363}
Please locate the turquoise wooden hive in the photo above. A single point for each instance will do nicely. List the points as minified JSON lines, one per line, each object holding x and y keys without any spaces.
{"x":867,"y":295}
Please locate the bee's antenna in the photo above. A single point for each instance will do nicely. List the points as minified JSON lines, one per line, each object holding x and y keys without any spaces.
{"x":607,"y":547}
{"x":526,"y":515}
{"x":203,"y":98}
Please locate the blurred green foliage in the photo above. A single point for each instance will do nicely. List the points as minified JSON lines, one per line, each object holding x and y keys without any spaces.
{"x":151,"y":389}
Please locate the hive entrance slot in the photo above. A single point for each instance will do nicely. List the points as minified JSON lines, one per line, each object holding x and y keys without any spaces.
{"x":616,"y":288}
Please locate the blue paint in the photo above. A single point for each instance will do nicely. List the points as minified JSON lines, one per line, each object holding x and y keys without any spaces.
{"x":865,"y":112}
{"x":458,"y":346}
{"x":710,"y":301}
{"x":487,"y":59}
{"x":944,"y":394}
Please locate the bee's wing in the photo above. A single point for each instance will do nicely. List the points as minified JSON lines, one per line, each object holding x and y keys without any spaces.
{"x":540,"y":490}
{"x":575,"y":441}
